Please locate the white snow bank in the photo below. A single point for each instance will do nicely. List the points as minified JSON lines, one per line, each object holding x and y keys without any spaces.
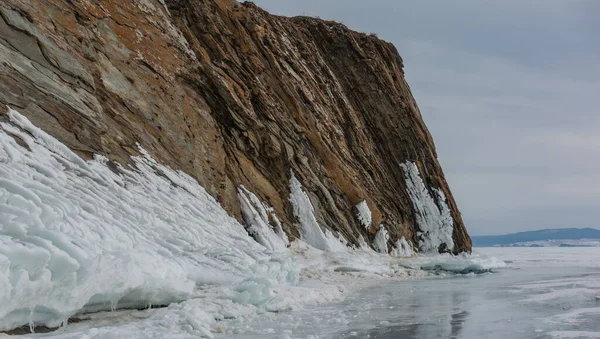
{"x":363,"y":214}
{"x":75,"y":236}
{"x":432,"y":213}
{"x":462,"y":263}
{"x":256,"y":216}
{"x":310,"y":230}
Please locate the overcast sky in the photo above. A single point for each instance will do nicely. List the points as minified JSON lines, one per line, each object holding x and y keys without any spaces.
{"x":509,"y":91}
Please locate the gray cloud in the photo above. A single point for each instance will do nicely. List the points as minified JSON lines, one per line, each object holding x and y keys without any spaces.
{"x":508,"y":90}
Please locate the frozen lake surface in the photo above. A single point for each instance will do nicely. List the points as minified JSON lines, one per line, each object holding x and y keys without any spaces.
{"x":542,"y":293}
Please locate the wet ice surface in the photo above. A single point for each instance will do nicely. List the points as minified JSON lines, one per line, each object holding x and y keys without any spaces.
{"x":542,"y":293}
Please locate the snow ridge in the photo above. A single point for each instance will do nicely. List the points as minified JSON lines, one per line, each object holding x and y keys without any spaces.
{"x":432,"y":213}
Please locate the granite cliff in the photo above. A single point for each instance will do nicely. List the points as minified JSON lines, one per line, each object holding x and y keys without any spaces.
{"x":233,"y":96}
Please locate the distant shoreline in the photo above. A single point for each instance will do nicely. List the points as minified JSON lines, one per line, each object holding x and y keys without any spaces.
{"x":564,"y":237}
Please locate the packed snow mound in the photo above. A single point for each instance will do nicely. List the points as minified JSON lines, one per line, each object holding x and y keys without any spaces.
{"x":462,"y":263}
{"x":80,"y":235}
{"x":432,"y":213}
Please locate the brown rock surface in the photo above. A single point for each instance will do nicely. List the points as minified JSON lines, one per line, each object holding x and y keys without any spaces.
{"x":231,"y":95}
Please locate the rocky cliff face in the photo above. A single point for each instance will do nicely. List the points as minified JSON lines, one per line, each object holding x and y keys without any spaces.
{"x":235,"y":96}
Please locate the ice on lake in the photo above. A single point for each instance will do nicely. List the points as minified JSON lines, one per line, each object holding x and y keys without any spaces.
{"x":541,"y":293}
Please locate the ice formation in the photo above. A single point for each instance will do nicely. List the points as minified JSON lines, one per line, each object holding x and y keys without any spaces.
{"x":462,"y":263}
{"x":310,"y":230}
{"x":363,"y":214}
{"x":381,"y":239}
{"x":432,"y":213}
{"x":77,"y":236}
{"x":256,"y":216}
{"x":362,"y":243}
{"x":402,"y":248}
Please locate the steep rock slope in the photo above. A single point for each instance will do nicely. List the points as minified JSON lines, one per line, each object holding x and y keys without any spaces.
{"x":235,"y":96}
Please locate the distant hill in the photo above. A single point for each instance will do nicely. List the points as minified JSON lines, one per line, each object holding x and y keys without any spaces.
{"x":541,"y":235}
